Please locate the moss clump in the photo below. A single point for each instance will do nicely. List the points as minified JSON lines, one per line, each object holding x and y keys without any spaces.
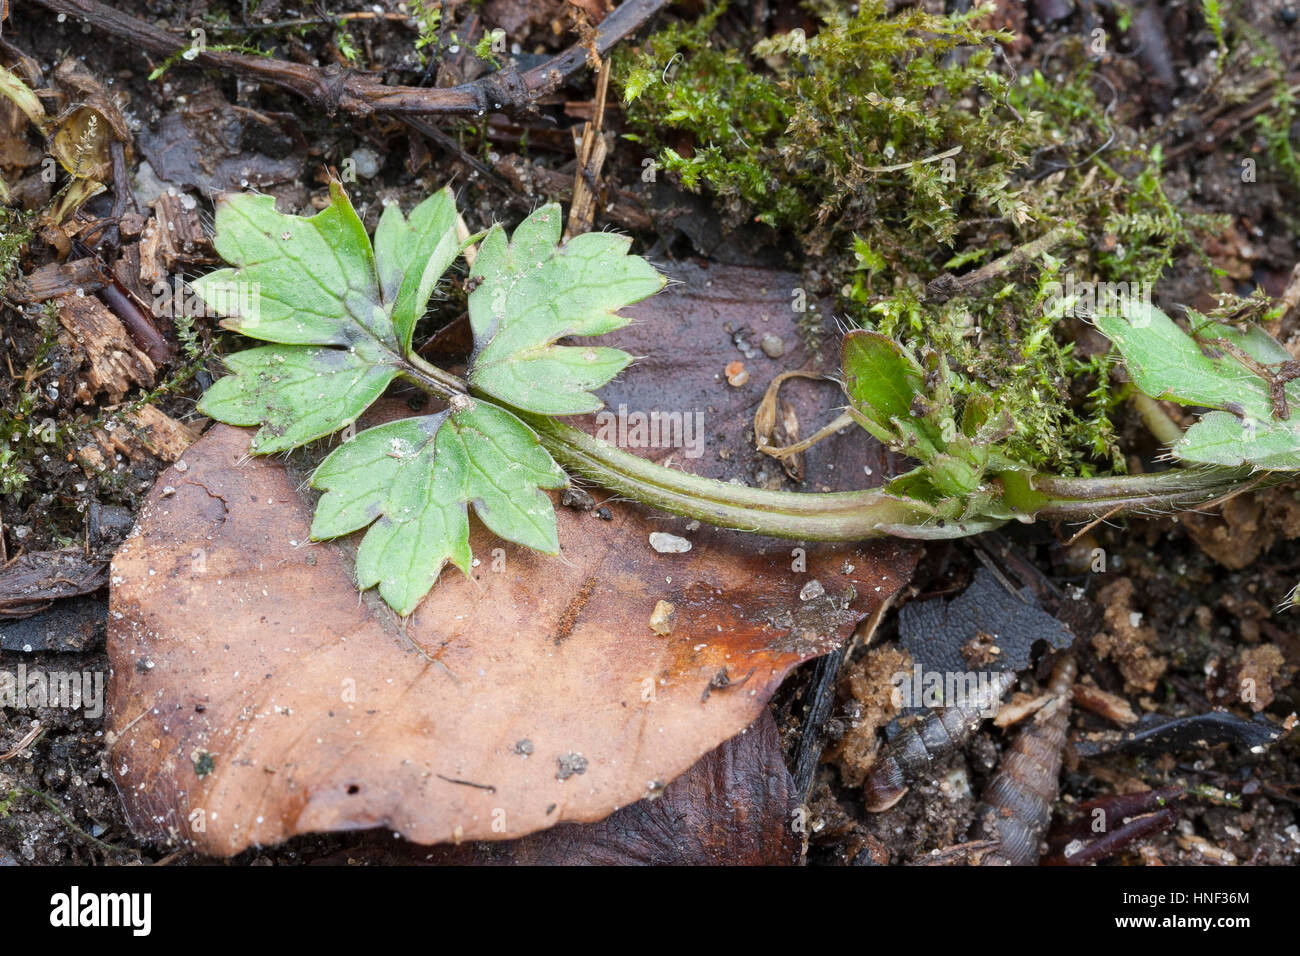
{"x":900,"y":148}
{"x":849,"y":123}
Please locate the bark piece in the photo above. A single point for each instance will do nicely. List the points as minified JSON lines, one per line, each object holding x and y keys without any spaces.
{"x":112,"y":365}
{"x":32,"y":581}
{"x":58,"y":278}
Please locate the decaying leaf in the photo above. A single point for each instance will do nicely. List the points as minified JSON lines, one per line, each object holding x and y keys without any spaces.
{"x":1156,"y":734}
{"x":735,"y":807}
{"x":30,"y":582}
{"x":21,"y":95}
{"x":986,"y":627}
{"x":210,"y":145}
{"x":683,"y":338}
{"x":256,"y":697}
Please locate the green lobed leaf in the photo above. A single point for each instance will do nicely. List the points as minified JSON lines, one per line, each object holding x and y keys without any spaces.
{"x":1221,"y":438}
{"x":411,"y":255}
{"x":308,"y":283}
{"x":341,"y":314}
{"x":312,"y":279}
{"x":533,"y":291}
{"x":882,"y":382}
{"x":1167,"y":363}
{"x":880,"y":376}
{"x":297,"y":393}
{"x":412,"y":481}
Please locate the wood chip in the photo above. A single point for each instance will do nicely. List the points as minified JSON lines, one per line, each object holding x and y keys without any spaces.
{"x":111,"y":363}
{"x":1110,"y":706}
{"x":172,"y":240}
{"x":146,"y":431}
{"x":56,"y":279}
{"x":661,"y":618}
{"x":1019,"y":707}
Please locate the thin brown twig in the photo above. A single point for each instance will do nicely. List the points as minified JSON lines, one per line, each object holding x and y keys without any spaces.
{"x":1227,"y":127}
{"x":334,"y":88}
{"x":23,"y":744}
{"x":1092,"y":524}
{"x":293,"y":24}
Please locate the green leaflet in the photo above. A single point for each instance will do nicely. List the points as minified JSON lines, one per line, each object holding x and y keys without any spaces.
{"x":297,"y":394}
{"x":308,"y":282}
{"x":341,"y":315}
{"x":909,"y":406}
{"x":412,"y":255}
{"x":533,"y":291}
{"x":1242,"y":428}
{"x":414,"y":479}
{"x":882,"y":380}
{"x":312,"y":281}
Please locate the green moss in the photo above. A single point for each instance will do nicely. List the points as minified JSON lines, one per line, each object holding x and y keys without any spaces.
{"x":896,"y":149}
{"x":15,"y":233}
{"x":850,"y":122}
{"x":428,"y":19}
{"x":22,"y":437}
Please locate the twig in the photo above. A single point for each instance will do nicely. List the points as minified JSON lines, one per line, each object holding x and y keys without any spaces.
{"x":591,"y":157}
{"x":23,"y":744}
{"x":821,"y":700}
{"x":326,"y":20}
{"x":333,"y":88}
{"x":449,"y":145}
{"x":947,"y":286}
{"x":1229,"y":125}
{"x":70,"y":824}
{"x":1092,"y":524}
{"x":937,"y":157}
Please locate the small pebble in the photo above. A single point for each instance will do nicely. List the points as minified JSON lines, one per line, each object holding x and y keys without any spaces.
{"x":737,"y":374}
{"x":773,"y":345}
{"x":669,"y":543}
{"x":812,"y":590}
{"x":366,"y":162}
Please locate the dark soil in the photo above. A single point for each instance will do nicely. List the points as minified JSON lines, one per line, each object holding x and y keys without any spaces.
{"x":57,"y":800}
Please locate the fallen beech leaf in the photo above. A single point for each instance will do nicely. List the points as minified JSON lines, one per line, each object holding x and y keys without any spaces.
{"x":67,"y":626}
{"x":684,"y":338}
{"x":735,"y":807}
{"x":254,"y":696}
{"x":1157,"y":734}
{"x":207,"y":144}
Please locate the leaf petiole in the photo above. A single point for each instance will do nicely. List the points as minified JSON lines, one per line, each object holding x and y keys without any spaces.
{"x":854,"y":515}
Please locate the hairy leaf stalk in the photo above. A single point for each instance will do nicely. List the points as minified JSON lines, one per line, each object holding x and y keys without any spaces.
{"x":872,"y":513}
{"x":855,"y":515}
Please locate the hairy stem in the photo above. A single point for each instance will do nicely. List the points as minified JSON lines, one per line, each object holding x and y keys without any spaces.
{"x":853,"y":515}
{"x":432,"y":379}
